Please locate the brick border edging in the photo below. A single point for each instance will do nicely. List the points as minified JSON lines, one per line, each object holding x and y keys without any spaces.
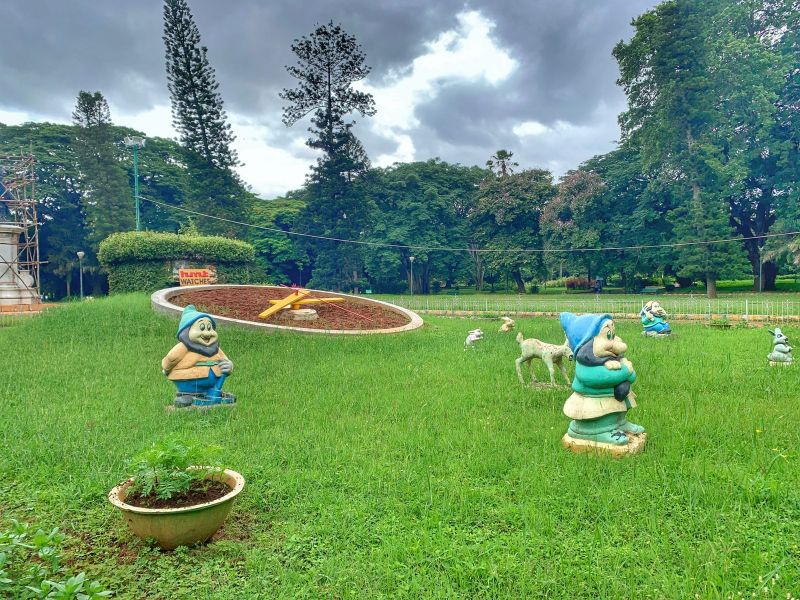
{"x":25,"y":309}
{"x":159,"y":301}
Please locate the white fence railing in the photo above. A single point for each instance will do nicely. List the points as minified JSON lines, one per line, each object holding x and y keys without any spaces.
{"x":757,"y":309}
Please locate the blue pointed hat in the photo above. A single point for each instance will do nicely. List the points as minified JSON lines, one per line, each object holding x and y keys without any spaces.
{"x":189,"y":315}
{"x":580,"y":329}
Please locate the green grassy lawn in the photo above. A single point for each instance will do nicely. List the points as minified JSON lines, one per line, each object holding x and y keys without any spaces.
{"x":403,"y":466}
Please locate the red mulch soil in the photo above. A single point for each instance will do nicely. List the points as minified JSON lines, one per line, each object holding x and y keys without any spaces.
{"x":247,"y":303}
{"x":199,"y":493}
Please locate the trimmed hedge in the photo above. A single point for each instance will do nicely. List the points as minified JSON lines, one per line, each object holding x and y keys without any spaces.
{"x":133,"y":246}
{"x":139,"y":261}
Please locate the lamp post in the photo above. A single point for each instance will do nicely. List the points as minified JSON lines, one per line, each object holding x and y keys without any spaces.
{"x":135,"y":143}
{"x":411,"y":259}
{"x":81,"y":254}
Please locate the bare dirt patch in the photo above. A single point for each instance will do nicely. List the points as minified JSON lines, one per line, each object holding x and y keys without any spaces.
{"x":247,"y":303}
{"x":200,"y":492}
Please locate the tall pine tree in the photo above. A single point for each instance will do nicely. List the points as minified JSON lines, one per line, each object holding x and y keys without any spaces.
{"x":329,"y":62}
{"x":199,"y":117}
{"x":106,"y":193}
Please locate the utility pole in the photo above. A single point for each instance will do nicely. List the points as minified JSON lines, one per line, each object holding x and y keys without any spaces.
{"x":411,"y":260}
{"x":136,"y":143}
{"x":81,"y":254}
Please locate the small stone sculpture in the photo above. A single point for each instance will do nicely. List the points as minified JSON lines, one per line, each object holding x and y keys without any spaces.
{"x":196,"y":365}
{"x":508,"y":324}
{"x":781,"y":350}
{"x":654,"y":320}
{"x":601,"y":387}
{"x":472,"y":337}
{"x":549,"y":353}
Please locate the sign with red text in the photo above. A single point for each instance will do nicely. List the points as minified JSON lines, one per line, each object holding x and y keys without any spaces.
{"x":196,"y":276}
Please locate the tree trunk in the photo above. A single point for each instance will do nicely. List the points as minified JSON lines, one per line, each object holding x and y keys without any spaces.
{"x":68,"y":281}
{"x":711,"y":285}
{"x":97,"y":283}
{"x":517,"y":276}
{"x":425,"y":279}
{"x":754,"y":256}
{"x":769,"y":272}
{"x":477,"y":267}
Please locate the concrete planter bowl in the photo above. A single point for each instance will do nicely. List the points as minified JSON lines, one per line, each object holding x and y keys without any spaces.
{"x":173,"y":527}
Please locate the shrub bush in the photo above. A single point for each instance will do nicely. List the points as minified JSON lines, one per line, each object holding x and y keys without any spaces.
{"x":577,"y":283}
{"x":140,"y":261}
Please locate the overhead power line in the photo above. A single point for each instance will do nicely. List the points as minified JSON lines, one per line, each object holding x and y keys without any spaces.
{"x":474,"y":250}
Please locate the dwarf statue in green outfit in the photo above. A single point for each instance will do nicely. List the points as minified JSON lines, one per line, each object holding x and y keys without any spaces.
{"x":196,"y":365}
{"x":602,"y":393}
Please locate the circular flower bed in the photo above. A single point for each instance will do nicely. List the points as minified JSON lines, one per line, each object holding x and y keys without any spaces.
{"x":242,"y":305}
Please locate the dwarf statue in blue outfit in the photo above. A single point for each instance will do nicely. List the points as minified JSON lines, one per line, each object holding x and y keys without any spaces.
{"x":654,"y":319}
{"x":196,"y":364}
{"x":602,"y":393}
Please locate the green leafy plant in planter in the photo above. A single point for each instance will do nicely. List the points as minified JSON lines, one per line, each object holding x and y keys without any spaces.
{"x":171,"y":471}
{"x":176,"y":496}
{"x":30,"y":567}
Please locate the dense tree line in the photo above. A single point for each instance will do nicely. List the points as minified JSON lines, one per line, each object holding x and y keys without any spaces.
{"x":710,"y":150}
{"x":81,"y":200}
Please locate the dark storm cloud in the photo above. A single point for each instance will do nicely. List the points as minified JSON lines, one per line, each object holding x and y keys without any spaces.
{"x":53,"y":49}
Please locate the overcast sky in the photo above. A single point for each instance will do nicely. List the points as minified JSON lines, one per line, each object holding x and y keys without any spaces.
{"x":451,"y":79}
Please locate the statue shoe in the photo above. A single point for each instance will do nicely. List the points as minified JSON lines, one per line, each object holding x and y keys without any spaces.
{"x":227,"y":398}
{"x":617,"y":438}
{"x":633,"y":428}
{"x":183,"y":401}
{"x":202,"y":400}
{"x":613,"y":437}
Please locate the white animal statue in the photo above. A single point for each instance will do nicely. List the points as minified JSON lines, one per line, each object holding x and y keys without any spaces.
{"x":781,"y":350}
{"x":551,"y":354}
{"x":472,"y":337}
{"x":508,"y":324}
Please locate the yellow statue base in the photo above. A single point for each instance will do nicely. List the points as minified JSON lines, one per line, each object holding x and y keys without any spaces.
{"x":634,"y":446}
{"x":775,"y":363}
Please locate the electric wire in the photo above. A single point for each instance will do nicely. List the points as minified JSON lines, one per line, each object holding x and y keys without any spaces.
{"x":474,"y":250}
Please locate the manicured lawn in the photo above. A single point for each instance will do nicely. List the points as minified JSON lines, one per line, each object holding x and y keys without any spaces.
{"x":403,"y":466}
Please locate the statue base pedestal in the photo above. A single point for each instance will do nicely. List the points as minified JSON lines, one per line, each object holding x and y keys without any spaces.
{"x":171,"y":408}
{"x":634,"y":446}
{"x":299,"y":314}
{"x":16,"y":287}
{"x":775,"y":363}
{"x":11,"y":295}
{"x":653,"y":334}
{"x":304,"y":314}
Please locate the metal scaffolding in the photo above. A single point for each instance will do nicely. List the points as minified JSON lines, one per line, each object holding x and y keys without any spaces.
{"x":19,"y":198}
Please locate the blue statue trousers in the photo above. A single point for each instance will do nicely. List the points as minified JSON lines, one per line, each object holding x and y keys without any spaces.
{"x":198,"y":386}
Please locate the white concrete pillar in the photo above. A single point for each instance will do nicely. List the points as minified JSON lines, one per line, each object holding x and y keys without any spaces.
{"x":13,"y":284}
